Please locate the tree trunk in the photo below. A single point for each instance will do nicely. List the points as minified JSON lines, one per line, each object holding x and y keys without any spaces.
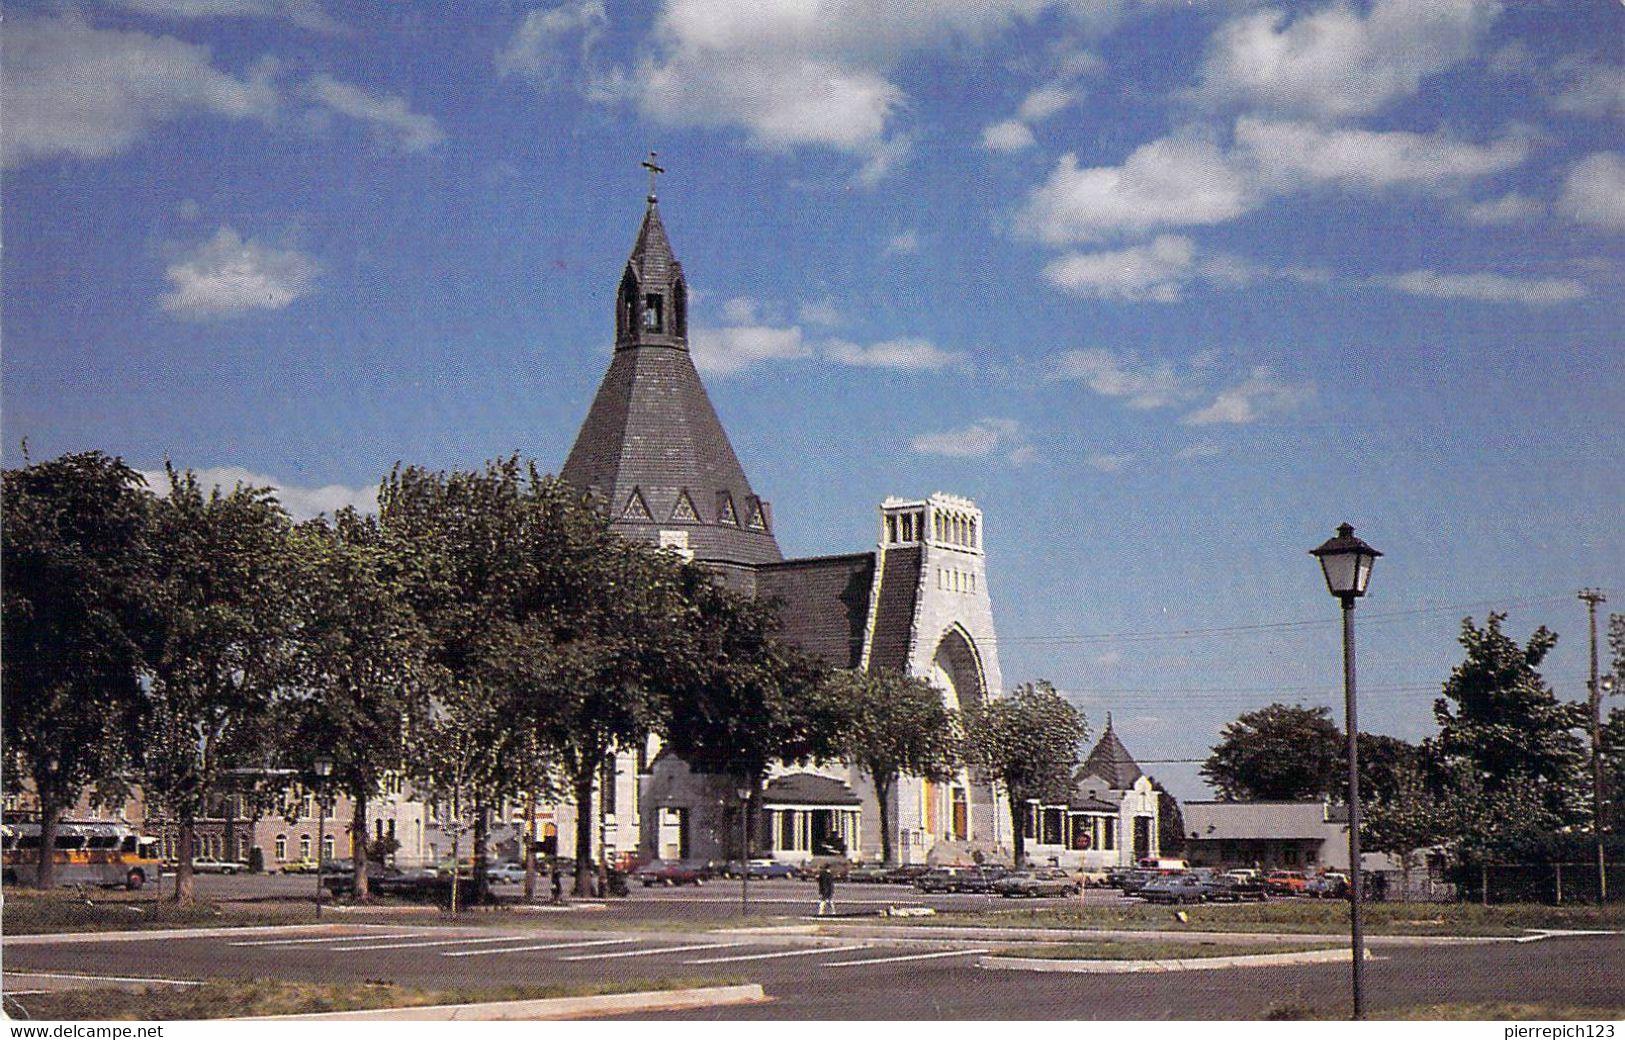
{"x":50,"y":821}
{"x":584,"y":868}
{"x":530,"y":846}
{"x":1484,"y":881}
{"x":883,"y":788}
{"x":1018,"y":833}
{"x":456,"y":861}
{"x":186,"y":838}
{"x":358,"y":847}
{"x":482,"y":835}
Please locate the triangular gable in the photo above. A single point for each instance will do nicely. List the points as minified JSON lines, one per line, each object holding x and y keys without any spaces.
{"x":725,"y":509}
{"x":684,"y":510}
{"x":756,"y":519}
{"x":636,"y":508}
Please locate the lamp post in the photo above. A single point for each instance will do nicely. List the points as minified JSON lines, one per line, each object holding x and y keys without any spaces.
{"x":744,"y":849}
{"x":1346,"y":562}
{"x":324,"y":769}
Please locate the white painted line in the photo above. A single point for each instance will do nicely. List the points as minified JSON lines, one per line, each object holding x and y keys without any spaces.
{"x":904,"y":957}
{"x":98,"y":978}
{"x":429,"y":942}
{"x":324,"y":939}
{"x":785,"y":953}
{"x":648,"y":953}
{"x":545,"y":946}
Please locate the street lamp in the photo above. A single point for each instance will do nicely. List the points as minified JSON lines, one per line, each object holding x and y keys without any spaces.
{"x":744,"y":849}
{"x":324,"y":769}
{"x":1346,"y":562}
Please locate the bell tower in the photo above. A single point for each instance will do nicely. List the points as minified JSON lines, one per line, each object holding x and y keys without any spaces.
{"x":652,"y":305}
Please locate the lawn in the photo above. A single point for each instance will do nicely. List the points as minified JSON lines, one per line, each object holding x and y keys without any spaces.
{"x":27,"y":912}
{"x":241,"y":998}
{"x":1302,"y":916}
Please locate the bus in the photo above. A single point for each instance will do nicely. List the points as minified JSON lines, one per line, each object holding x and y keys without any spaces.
{"x":87,"y":853}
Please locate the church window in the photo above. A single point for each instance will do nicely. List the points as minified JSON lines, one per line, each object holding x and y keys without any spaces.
{"x":651,"y":312}
{"x":304,"y":846}
{"x":636,"y":508}
{"x":908,"y":527}
{"x":756,"y":519}
{"x":281,"y":847}
{"x":971,"y":535}
{"x":684,"y":509}
{"x":725,"y":509}
{"x":937,"y":524}
{"x":891,"y":529}
{"x":629,"y":302}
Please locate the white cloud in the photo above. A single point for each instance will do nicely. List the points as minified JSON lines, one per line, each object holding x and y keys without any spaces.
{"x":1171,"y":182}
{"x":981,"y":439}
{"x":1292,"y":154}
{"x":1335,"y":63}
{"x":302,"y":503}
{"x":1510,"y":208}
{"x":542,"y":48}
{"x":823,"y":312}
{"x":732,"y":349}
{"x":904,"y":354}
{"x":1594,"y":191}
{"x":228,"y":275}
{"x":1108,"y":462}
{"x":1012,"y":135}
{"x":1142,"y":385}
{"x":307,"y":14}
{"x":1589,"y":88}
{"x":1156,"y":271}
{"x":741,"y":310}
{"x":904,"y":243}
{"x":388,"y":115}
{"x":1486,"y":286}
{"x":1045,"y":102}
{"x":1260,"y":395}
{"x":72,"y":90}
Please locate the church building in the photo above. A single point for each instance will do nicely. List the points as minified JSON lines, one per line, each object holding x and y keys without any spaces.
{"x":654,"y":453}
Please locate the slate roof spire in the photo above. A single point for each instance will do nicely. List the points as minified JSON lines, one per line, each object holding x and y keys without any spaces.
{"x":652,"y":449}
{"x":1111,"y":761}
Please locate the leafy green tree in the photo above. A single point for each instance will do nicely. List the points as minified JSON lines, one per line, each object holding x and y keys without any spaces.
{"x":1386,"y":764}
{"x":740,"y":698}
{"x":1170,"y":822}
{"x":361,"y":655}
{"x":1028,"y":741}
{"x":1406,"y":816}
{"x":73,"y":541}
{"x":893,"y":724}
{"x":1613,"y":735}
{"x":221,"y":645}
{"x":1500,"y":719}
{"x":1487,"y":824}
{"x":1278,"y":753}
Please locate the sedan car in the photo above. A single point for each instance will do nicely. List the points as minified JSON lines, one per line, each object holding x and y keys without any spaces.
{"x":669,"y":872}
{"x":1286,"y":882}
{"x":771,"y":868}
{"x":509,"y":872}
{"x":868,"y":873}
{"x":212,"y":865}
{"x":1330,"y":885}
{"x":1228,"y":888}
{"x":1034,"y":884}
{"x":1173,"y":888}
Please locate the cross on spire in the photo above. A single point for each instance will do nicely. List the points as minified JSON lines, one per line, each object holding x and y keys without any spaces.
{"x":654,"y":170}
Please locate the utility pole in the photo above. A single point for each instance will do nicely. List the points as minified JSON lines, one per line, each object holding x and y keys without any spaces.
{"x":1592,"y":597}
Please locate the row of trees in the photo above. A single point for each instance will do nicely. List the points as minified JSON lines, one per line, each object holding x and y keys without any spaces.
{"x":486,"y":632}
{"x":1505,"y":776}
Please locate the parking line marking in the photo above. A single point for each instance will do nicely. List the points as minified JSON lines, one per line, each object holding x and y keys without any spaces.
{"x":904,"y":957}
{"x":430,"y":942}
{"x":783,"y":953}
{"x":324,"y":939}
{"x":544,"y":946}
{"x":98,"y":978}
{"x":649,"y":953}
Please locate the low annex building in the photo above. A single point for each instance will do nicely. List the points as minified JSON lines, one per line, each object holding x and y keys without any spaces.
{"x":1111,"y":818}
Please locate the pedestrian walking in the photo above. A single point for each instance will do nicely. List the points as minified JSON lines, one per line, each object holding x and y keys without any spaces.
{"x":826,"y":891}
{"x":558,"y":884}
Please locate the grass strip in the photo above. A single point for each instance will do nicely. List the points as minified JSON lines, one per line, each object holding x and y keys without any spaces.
{"x":1107,"y":950}
{"x":1462,"y":1011}
{"x":72,"y":912}
{"x":242,"y":998}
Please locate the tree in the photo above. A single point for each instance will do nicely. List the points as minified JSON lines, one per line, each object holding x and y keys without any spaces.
{"x":220,"y":649}
{"x":360,"y":655}
{"x":1499,"y":718}
{"x":739,"y":698}
{"x":1170,"y":822}
{"x":75,"y":559}
{"x":1030,"y":742}
{"x":1485,"y":824}
{"x":893,"y":724}
{"x":1407,"y":816}
{"x":1278,"y":753}
{"x":1386,"y":764}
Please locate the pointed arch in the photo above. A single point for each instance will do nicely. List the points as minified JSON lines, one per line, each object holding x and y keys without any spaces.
{"x":956,"y":665}
{"x":626,"y":307}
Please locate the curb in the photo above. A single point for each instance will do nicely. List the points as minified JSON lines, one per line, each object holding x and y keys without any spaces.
{"x":974,"y":934}
{"x":1254,"y":960}
{"x":541,"y":1010}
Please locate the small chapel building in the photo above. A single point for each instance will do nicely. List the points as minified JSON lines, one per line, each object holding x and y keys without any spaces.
{"x":654,"y":453}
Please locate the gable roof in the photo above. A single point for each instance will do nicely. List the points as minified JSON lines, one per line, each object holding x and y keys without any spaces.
{"x":808,"y":789}
{"x":1111,"y":761}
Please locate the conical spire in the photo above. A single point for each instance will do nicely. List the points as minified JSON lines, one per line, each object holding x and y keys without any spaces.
{"x":652,"y":449}
{"x":1111,"y":761}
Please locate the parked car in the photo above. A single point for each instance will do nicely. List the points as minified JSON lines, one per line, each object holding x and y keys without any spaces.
{"x":1090,"y":877}
{"x":1330,"y":885}
{"x":959,"y":879}
{"x":868,"y":873}
{"x":299,"y":866}
{"x":670,"y":872}
{"x":1286,"y":882}
{"x":1032,"y":884}
{"x":1173,"y":888}
{"x":1246,"y":873}
{"x":212,"y":865}
{"x":907,"y":874}
{"x":839,"y":868}
{"x":509,"y":872}
{"x":1228,"y":888}
{"x":771,"y":868}
{"x":1134,"y":880}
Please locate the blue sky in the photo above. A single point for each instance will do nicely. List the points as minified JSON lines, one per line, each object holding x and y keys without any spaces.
{"x":1171,"y":290}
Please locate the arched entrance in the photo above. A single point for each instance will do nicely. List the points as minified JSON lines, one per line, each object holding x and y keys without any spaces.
{"x":956,"y":669}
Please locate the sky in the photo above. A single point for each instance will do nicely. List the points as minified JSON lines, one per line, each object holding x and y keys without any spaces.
{"x":1170,"y":289}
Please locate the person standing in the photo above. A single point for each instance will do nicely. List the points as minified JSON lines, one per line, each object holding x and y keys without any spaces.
{"x":826,"y":891}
